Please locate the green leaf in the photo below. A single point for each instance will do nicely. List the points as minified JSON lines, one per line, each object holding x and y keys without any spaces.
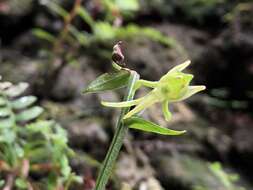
{"x":23,"y":102}
{"x":43,"y":127}
{"x":18,"y":150}
{"x":108,"y":81}
{"x":216,"y":168}
{"x":2,"y":101}
{"x":21,"y":183}
{"x":84,"y":14}
{"x":141,"y":124}
{"x":129,"y":5}
{"x":7,"y":136}
{"x":104,"y":31}
{"x":6,"y":123}
{"x":16,"y":90}
{"x":57,"y":9}
{"x":29,"y":114}
{"x":81,"y":37}
{"x":42,"y":34}
{"x":52,"y":181}
{"x":65,"y":168}
{"x":4,"y":112}
{"x":2,"y":182}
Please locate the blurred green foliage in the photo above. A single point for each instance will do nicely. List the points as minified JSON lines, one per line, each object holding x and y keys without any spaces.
{"x":227,"y":179}
{"x":198,"y":9}
{"x":30,"y":147}
{"x":107,"y":29}
{"x":193,"y":10}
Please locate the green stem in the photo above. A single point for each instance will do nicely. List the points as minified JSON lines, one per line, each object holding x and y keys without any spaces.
{"x":121,"y":131}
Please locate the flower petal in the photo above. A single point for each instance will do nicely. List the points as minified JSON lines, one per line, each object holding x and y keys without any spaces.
{"x":166,"y":111}
{"x":192,"y":90}
{"x":141,"y":82}
{"x":180,"y":67}
{"x":122,"y":104}
{"x":147,"y":101}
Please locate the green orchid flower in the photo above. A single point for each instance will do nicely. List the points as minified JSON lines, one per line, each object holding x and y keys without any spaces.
{"x":172,"y":87}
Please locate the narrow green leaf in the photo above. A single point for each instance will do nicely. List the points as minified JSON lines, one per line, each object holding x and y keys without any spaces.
{"x":217,"y":170}
{"x":81,"y":37}
{"x":141,"y":124}
{"x":23,"y":102}
{"x":108,"y":81}
{"x":57,"y":9}
{"x":44,"y":35}
{"x":29,"y":114}
{"x":84,"y":14}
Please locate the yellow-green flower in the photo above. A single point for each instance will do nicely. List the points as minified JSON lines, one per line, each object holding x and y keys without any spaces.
{"x":172,"y":87}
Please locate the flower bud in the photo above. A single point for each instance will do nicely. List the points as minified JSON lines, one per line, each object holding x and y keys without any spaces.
{"x":117,"y":55}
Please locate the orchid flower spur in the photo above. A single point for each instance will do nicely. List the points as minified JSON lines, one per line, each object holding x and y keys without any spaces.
{"x":172,"y":87}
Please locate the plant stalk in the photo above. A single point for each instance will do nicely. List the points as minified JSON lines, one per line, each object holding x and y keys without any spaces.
{"x":57,"y":61}
{"x":120,"y":133}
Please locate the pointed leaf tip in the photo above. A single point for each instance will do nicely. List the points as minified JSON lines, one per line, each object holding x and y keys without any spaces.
{"x":141,"y":124}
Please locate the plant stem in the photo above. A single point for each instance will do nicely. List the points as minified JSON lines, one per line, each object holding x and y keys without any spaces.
{"x":67,"y":22}
{"x":57,"y":61}
{"x":121,"y":131}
